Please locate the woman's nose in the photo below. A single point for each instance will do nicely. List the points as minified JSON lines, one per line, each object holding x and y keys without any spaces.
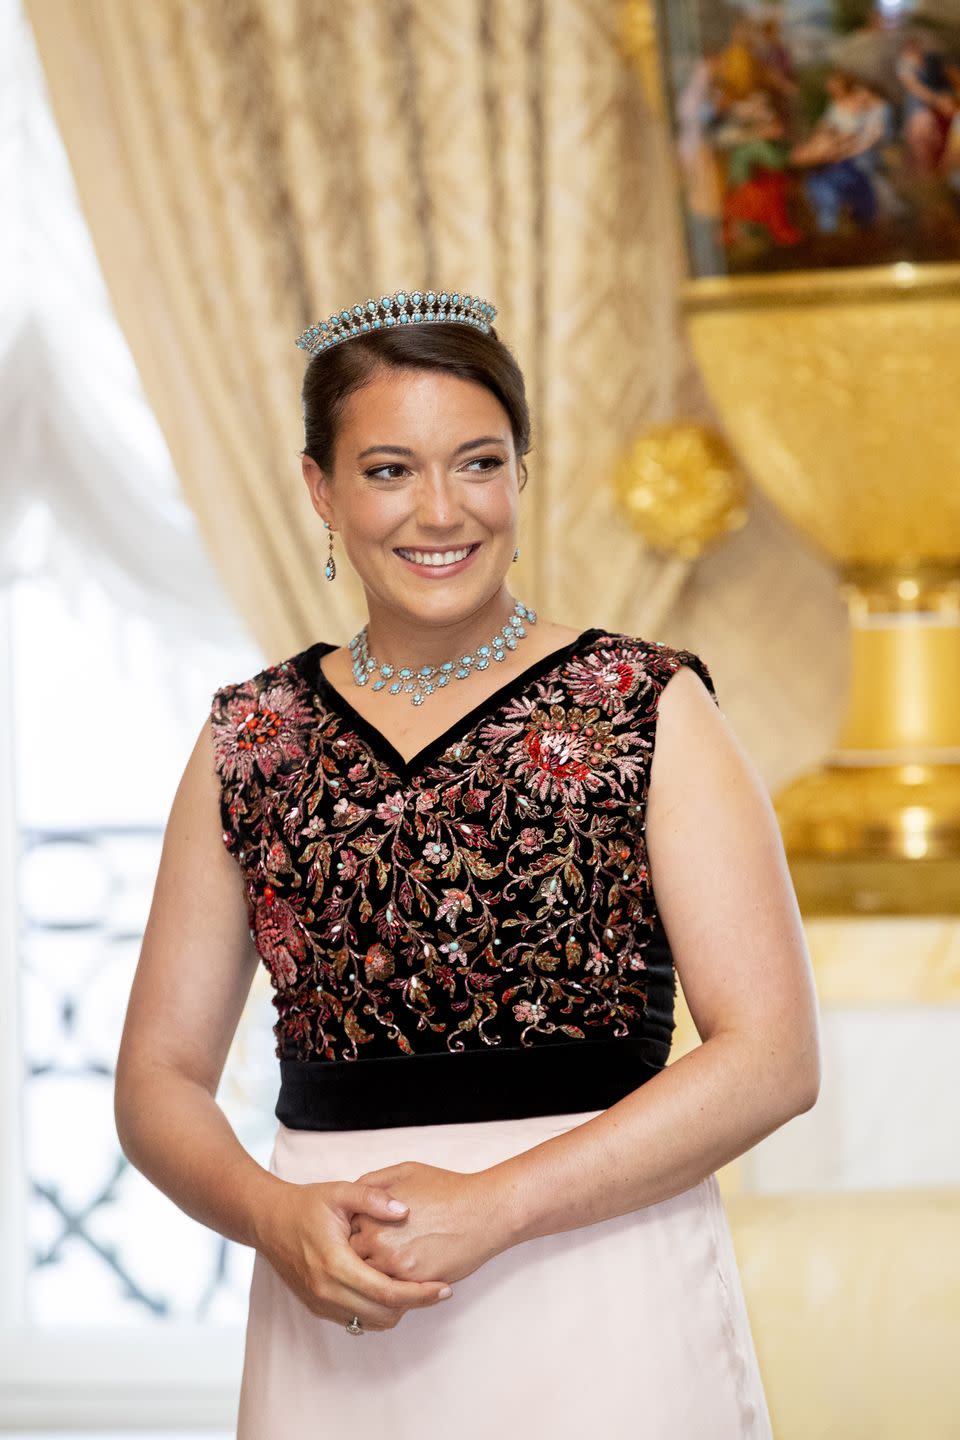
{"x":437,"y":503}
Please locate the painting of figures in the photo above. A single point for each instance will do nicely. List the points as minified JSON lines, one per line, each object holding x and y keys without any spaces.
{"x":814,"y":133}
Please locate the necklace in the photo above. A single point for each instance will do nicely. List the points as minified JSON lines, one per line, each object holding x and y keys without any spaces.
{"x":421,"y":682}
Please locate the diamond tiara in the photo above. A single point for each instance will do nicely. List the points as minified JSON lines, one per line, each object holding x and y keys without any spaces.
{"x":404,"y":308}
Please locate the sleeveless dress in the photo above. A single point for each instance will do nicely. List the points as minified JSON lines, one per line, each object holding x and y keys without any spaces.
{"x":467,"y":958}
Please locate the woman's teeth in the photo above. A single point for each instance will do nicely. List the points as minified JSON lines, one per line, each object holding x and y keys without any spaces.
{"x":436,"y":557}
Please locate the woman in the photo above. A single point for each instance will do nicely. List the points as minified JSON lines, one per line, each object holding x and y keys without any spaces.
{"x":462,"y":883}
{"x":842,"y":153}
{"x":929,"y":103}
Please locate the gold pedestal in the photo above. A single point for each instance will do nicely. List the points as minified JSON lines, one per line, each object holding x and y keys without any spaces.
{"x":877,"y":828}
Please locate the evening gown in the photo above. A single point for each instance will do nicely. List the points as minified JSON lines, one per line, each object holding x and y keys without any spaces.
{"x":466,"y":958}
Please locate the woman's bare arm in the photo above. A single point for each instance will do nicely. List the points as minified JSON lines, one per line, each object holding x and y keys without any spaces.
{"x":196,"y":967}
{"x":197,"y":964}
{"x":729,"y":909}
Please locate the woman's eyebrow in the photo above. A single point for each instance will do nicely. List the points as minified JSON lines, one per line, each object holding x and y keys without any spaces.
{"x":403,"y":450}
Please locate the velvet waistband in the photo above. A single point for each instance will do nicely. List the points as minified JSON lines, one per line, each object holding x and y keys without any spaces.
{"x":459,"y":1086}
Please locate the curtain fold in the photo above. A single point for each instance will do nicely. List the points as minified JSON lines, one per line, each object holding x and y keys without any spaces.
{"x":247,"y":167}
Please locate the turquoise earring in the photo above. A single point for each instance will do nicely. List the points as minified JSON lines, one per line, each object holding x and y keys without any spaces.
{"x":330,"y":569}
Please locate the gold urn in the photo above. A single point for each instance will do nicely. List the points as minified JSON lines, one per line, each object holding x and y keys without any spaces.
{"x":840,"y":391}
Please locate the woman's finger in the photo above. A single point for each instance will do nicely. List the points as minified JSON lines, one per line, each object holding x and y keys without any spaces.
{"x":379,"y":1300}
{"x":374,"y":1200}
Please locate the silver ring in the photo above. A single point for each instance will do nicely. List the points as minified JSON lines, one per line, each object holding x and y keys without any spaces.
{"x":355,"y":1328}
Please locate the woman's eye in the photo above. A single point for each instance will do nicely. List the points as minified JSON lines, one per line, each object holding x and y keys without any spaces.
{"x":489,"y":463}
{"x":374,"y":474}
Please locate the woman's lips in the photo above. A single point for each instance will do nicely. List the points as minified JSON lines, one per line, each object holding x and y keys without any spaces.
{"x":440,"y":571}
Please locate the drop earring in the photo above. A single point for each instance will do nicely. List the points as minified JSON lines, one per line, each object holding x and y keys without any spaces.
{"x":330,"y":569}
{"x":516,"y":553}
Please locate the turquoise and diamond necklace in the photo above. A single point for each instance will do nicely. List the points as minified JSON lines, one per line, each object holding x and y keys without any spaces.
{"x":423,"y":680}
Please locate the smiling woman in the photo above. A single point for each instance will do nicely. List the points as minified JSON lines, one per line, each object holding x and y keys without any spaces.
{"x":473,"y":910}
{"x":440,"y":410}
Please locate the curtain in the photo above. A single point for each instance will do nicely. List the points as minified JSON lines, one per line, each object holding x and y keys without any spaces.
{"x":248,"y":166}
{"x":87,"y":485}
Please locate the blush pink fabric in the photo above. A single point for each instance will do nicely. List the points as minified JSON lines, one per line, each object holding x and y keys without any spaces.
{"x":631,"y":1327}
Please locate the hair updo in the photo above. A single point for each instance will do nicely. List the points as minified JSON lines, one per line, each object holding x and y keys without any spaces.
{"x":332,"y":376}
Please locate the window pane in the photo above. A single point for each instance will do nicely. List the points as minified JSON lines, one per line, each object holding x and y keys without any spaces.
{"x":106,"y":710}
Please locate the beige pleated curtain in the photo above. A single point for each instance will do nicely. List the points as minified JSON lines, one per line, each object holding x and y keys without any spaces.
{"x":248,"y":166}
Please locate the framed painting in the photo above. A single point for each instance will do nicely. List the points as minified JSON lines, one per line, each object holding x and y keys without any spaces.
{"x":812,"y":134}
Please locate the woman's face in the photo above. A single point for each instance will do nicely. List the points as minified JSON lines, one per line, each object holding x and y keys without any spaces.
{"x":425,"y":467}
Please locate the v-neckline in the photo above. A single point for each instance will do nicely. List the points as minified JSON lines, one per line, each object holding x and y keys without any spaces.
{"x":406,"y":769}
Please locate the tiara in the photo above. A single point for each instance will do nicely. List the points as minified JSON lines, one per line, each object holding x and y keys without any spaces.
{"x":403,"y":308}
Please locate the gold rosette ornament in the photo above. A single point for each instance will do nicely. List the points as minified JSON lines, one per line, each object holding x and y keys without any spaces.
{"x":681,"y":487}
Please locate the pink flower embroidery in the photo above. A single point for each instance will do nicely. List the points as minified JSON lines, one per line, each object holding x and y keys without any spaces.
{"x":603,"y":678}
{"x":261,"y":731}
{"x":347,"y":865}
{"x":524,"y":1010}
{"x":391,"y":809}
{"x":452,"y":903}
{"x":378,"y":963}
{"x":279,"y":937}
{"x":562,"y":752}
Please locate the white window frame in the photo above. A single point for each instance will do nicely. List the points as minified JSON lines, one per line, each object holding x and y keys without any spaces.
{"x":72,"y":1376}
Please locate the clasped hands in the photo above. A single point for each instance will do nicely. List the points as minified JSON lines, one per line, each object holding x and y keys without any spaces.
{"x":340,"y":1249}
{"x":453,"y":1225}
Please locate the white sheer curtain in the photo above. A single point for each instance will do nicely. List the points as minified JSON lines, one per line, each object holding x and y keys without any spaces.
{"x":86,"y":482}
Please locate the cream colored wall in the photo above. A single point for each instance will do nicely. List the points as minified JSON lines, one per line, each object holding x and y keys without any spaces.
{"x":846,"y":1222}
{"x":853,"y":1302}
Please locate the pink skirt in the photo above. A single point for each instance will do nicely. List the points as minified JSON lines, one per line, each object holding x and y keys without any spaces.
{"x":630,"y":1327}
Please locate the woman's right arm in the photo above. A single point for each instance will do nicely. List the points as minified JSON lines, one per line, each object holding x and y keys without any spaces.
{"x":196,"y":966}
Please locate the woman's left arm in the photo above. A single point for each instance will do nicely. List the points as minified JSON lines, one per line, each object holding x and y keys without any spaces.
{"x":728,"y":906}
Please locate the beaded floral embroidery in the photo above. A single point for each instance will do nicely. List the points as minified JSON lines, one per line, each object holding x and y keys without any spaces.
{"x":494,"y":891}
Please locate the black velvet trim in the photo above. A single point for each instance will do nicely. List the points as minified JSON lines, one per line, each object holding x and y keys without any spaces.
{"x":450,"y":1087}
{"x":387,"y":751}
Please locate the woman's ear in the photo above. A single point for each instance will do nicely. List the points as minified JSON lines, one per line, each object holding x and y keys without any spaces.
{"x":318,"y":485}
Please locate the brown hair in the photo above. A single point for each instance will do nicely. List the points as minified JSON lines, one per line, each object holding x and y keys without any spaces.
{"x":333,"y":375}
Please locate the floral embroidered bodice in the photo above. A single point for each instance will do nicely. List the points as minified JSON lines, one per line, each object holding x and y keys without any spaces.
{"x":492,"y":891}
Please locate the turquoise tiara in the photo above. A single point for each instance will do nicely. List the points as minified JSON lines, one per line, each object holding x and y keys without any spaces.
{"x":403,"y":308}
